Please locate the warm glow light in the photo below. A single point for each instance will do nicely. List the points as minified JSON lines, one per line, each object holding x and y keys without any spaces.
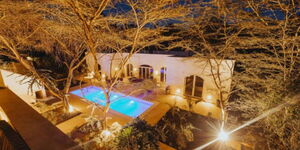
{"x":90,"y":75}
{"x":178,"y":98}
{"x":71,"y":108}
{"x":29,"y":58}
{"x":207,"y":104}
{"x":209,"y":97}
{"x":178,"y":91}
{"x":156,"y":72}
{"x":105,"y":134}
{"x":103,"y":75}
{"x":223,"y":136}
{"x":116,"y":68}
{"x":135,"y":69}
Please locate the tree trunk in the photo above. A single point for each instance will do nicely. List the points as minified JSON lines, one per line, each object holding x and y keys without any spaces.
{"x":106,"y":109}
{"x":66,"y":103}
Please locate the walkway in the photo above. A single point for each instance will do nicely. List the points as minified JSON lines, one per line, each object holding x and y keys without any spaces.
{"x":38,"y":132}
{"x":202,"y":108}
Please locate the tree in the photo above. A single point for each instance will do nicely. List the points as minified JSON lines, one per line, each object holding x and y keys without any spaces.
{"x":269,"y":70}
{"x":26,"y":28}
{"x":262,"y":36}
{"x":121,"y":33}
{"x":211,"y":39}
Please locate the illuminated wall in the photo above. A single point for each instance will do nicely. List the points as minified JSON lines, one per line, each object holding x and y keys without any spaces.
{"x":20,"y":86}
{"x":178,"y":68}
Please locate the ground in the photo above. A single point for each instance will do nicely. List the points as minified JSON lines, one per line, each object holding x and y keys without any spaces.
{"x":146,"y":90}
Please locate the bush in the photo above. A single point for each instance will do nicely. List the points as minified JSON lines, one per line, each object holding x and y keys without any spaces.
{"x":138,"y":135}
{"x":176,"y":129}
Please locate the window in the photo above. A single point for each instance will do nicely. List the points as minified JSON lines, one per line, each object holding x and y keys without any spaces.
{"x":163,"y":75}
{"x":129,"y":69}
{"x":146,"y":72}
{"x":193,"y":86}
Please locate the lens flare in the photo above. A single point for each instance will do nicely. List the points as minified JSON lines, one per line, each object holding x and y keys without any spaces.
{"x":223,"y":136}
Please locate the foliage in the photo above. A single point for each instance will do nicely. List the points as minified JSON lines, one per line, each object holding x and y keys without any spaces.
{"x":138,"y":135}
{"x":91,"y":136}
{"x":74,"y":29}
{"x":92,"y":125}
{"x":86,"y":131}
{"x":135,"y":135}
{"x":175,"y":128}
{"x":263,"y":38}
{"x":46,"y":48}
{"x":58,"y":115}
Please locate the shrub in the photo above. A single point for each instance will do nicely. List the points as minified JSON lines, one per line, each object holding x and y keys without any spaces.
{"x":137,"y":135}
{"x":176,"y":129}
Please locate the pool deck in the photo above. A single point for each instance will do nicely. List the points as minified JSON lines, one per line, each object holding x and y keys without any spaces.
{"x":201,"y":108}
{"x":151,"y":115}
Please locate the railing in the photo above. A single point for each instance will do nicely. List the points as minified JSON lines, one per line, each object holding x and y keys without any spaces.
{"x":10,"y":139}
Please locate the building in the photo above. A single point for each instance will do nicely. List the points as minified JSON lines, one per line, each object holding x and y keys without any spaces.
{"x":184,"y":76}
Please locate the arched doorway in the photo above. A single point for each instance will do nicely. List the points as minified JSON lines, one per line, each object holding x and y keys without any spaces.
{"x":146,"y":72}
{"x":193,"y":86}
{"x":129,"y":70}
{"x":163,"y":74}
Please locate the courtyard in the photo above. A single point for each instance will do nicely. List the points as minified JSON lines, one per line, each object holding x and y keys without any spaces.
{"x":149,"y":75}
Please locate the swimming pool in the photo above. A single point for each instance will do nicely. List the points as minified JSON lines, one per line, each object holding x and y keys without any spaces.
{"x":126,"y":105}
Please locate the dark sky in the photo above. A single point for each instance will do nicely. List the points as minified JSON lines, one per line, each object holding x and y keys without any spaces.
{"x":275,"y":14}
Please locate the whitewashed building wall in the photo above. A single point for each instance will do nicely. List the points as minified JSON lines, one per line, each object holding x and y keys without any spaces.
{"x":178,"y":68}
{"x":20,"y":86}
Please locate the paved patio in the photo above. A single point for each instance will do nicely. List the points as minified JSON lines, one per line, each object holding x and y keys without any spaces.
{"x":202,"y":108}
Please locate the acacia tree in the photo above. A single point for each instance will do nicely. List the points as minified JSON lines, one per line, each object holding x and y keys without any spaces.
{"x":207,"y":34}
{"x":262,"y":36}
{"x":269,"y":69}
{"x":120,"y":33}
{"x":26,"y":26}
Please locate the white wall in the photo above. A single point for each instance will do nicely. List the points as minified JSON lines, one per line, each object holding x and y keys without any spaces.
{"x":181,"y":67}
{"x":178,"y":68}
{"x":18,"y":84}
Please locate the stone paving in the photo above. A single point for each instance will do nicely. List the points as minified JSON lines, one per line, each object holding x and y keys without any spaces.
{"x":202,"y":108}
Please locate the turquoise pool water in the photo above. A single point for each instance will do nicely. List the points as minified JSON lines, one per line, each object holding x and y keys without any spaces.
{"x":126,"y":105}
